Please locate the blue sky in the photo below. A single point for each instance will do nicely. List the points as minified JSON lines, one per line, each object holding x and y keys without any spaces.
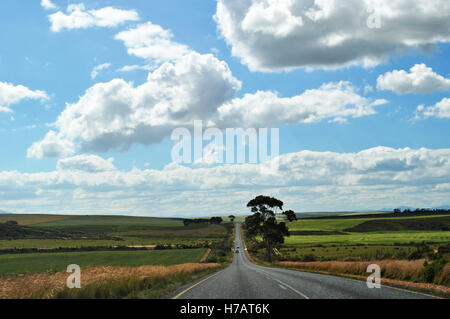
{"x":56,"y":57}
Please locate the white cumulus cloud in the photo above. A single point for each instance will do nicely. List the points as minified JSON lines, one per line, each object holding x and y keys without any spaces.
{"x":53,"y":145}
{"x":116,"y":114}
{"x":78,"y":17}
{"x":151,"y":41}
{"x":48,"y":5}
{"x":439,"y":110}
{"x":420,"y":79}
{"x":273,"y":35}
{"x":332,"y":101}
{"x":12,"y":94}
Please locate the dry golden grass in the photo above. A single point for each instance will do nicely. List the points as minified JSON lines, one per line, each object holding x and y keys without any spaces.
{"x":395,"y":269}
{"x":48,"y":285}
{"x":444,"y":276}
{"x":393,"y":272}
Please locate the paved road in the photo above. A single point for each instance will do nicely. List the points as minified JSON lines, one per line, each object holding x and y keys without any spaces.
{"x":245,"y":280}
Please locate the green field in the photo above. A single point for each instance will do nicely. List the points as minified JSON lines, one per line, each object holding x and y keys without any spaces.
{"x":53,"y":262}
{"x":29,"y":219}
{"x":361,"y":238}
{"x":339,"y":224}
{"x":346,"y":237}
{"x":364,"y":252}
{"x":111,"y":221}
{"x":104,"y":231}
{"x":378,"y":238}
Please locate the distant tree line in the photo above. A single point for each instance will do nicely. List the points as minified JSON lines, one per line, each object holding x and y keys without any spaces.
{"x":212,"y":220}
{"x":421,"y":210}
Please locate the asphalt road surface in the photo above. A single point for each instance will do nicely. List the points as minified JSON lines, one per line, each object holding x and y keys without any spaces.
{"x":245,"y":280}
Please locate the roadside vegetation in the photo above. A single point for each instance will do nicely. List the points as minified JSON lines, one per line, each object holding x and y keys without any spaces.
{"x":106,"y":282}
{"x":18,"y":264}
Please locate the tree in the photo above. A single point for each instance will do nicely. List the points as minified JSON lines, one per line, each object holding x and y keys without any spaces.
{"x":187,"y":222}
{"x":216,"y":220}
{"x":290,"y":215}
{"x":264,"y":223}
{"x":231,"y":217}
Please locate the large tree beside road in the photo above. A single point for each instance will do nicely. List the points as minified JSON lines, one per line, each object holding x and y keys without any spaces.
{"x":264,"y":223}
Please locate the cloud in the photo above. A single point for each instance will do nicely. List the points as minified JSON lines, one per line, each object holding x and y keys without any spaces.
{"x":78,"y":17}
{"x":134,"y":67}
{"x":4,"y":109}
{"x":306,"y":180}
{"x":116,"y":114}
{"x":130,"y":68}
{"x":48,"y":5}
{"x":86,"y":163}
{"x":12,"y":94}
{"x":53,"y":145}
{"x":274,"y":35}
{"x":420,"y":80}
{"x":333,"y":101}
{"x":99,"y":68}
{"x":152,"y":42}
{"x":439,"y":110}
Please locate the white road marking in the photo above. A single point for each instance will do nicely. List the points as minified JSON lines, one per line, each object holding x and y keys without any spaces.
{"x":283,"y":287}
{"x":293,"y":289}
{"x":279,"y":281}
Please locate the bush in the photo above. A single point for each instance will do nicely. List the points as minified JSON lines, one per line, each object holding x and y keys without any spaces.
{"x":431,"y":270}
{"x":415,"y":255}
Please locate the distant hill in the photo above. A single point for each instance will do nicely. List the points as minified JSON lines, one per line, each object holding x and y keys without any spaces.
{"x":4,"y":212}
{"x":413,"y":208}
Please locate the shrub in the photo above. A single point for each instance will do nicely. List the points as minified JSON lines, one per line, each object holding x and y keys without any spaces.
{"x":431,"y":270}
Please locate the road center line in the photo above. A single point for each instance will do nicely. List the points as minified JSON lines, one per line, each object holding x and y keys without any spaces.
{"x":279,"y":281}
{"x":293,"y":289}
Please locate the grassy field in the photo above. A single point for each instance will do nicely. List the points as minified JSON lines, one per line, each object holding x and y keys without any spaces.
{"x":27,"y":219}
{"x":106,"y":282}
{"x":341,"y":232}
{"x":54,"y":262}
{"x":377,"y":238}
{"x":105,"y":231}
{"x":365,"y":252}
{"x":78,"y":221}
{"x":339,"y":224}
{"x":346,"y":238}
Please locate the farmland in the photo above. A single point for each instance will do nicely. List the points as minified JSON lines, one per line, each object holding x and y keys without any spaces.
{"x":105,"y":231}
{"x":362,"y":238}
{"x":119,"y":256}
{"x":33,"y":243}
{"x":54,"y":262}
